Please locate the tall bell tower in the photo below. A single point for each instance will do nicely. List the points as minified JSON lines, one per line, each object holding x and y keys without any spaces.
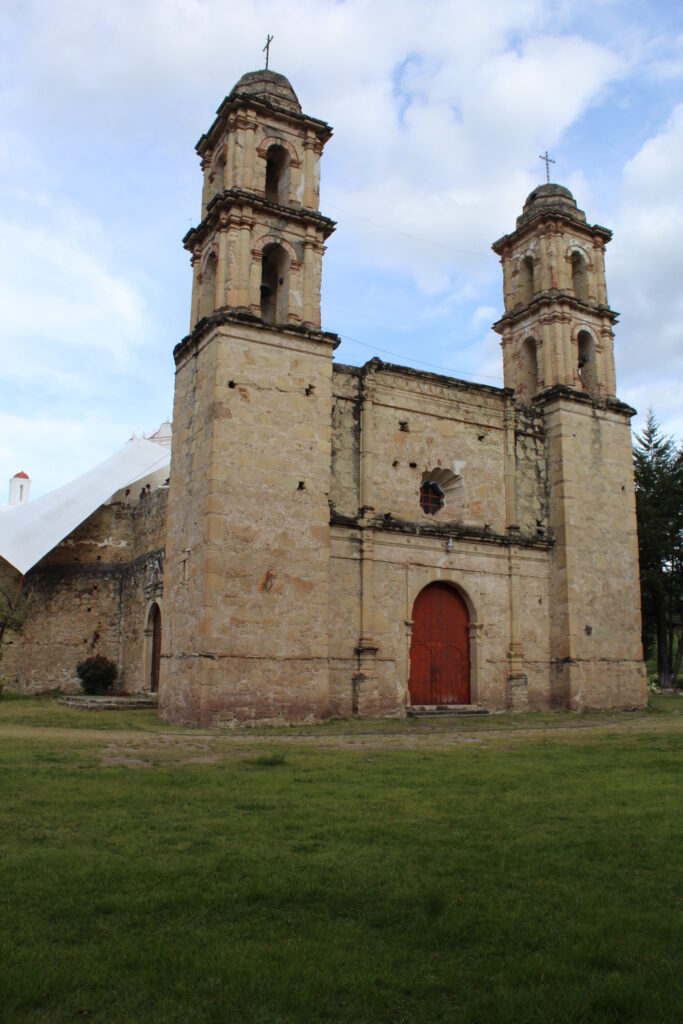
{"x":260,"y":243}
{"x":557,"y":337}
{"x":247,"y":558}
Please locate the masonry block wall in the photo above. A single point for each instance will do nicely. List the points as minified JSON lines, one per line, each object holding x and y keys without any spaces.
{"x":392,"y":428}
{"x":248,"y":539}
{"x":89,"y":595}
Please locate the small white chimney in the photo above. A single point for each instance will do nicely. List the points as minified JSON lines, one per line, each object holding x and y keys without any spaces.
{"x":19,"y":487}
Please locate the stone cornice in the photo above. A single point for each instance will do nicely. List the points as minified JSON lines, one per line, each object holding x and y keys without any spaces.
{"x":548,"y":217}
{"x":441,"y":531}
{"x":225,"y":202}
{"x":245,"y":318}
{"x":115,"y":569}
{"x":563,"y":391}
{"x":242,"y":101}
{"x":377,"y":365}
{"x":553,"y":297}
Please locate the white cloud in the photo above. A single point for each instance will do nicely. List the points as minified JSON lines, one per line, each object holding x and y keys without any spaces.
{"x":53,"y":450}
{"x":440,"y":109}
{"x":58,"y":298}
{"x":447,"y":159}
{"x":645,"y":271}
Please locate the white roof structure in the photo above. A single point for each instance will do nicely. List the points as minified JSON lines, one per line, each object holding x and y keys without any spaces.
{"x":31,"y":529}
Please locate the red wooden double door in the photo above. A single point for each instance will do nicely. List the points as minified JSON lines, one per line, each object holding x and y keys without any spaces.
{"x":440,"y":649}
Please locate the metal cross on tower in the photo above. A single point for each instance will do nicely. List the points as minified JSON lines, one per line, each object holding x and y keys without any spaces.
{"x":266,"y":48}
{"x":547,"y":159}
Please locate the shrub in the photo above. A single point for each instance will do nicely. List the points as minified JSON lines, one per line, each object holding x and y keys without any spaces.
{"x":96,"y":674}
{"x":272,"y":760}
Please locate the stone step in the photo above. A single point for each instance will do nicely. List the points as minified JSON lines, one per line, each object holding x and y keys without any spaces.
{"x":109,"y":702}
{"x":445,"y":710}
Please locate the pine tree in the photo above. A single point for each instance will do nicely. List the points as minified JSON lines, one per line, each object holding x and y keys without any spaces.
{"x":658,"y":465}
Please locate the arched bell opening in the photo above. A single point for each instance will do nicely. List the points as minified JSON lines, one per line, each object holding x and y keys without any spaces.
{"x":217,"y":178}
{"x":528,"y":377}
{"x":207,"y":285}
{"x":440,"y":647}
{"x":580,"y":276}
{"x":587,"y":364}
{"x":526,"y":280}
{"x":277,"y":175}
{"x":274,"y":285}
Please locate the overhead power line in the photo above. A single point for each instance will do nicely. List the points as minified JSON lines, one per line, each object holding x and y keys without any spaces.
{"x":405,"y":234}
{"x":421,"y":362}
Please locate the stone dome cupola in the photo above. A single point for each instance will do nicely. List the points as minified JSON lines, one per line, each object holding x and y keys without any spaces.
{"x":550,"y":200}
{"x":269,"y":87}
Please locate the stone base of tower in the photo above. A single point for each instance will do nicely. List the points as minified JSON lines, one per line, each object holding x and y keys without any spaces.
{"x":207,"y":692}
{"x":599,"y":685}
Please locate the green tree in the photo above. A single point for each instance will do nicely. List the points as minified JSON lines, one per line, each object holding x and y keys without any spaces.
{"x":658,"y":465}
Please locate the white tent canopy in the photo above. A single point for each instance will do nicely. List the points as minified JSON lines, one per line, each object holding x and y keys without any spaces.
{"x":29,"y":530}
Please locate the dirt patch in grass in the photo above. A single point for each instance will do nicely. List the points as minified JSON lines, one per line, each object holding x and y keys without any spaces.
{"x":124,"y":762}
{"x":191,"y":748}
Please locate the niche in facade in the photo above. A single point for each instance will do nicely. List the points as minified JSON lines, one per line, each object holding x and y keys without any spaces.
{"x":274,"y":285}
{"x":277,"y":175}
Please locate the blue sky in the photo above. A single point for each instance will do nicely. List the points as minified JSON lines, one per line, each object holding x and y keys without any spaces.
{"x":440,"y":110}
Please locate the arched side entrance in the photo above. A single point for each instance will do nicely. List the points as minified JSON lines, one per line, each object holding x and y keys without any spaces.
{"x":153,"y":634}
{"x":440,"y":649}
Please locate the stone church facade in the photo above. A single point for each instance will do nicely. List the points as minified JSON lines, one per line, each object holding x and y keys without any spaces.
{"x":338,"y":539}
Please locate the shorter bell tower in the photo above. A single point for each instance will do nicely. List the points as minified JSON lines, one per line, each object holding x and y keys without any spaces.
{"x":557,"y":337}
{"x":557,"y":328}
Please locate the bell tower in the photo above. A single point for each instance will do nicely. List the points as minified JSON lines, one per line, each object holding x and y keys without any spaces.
{"x":247,"y":555}
{"x":557,"y":328}
{"x":558,"y":356}
{"x":260,"y":243}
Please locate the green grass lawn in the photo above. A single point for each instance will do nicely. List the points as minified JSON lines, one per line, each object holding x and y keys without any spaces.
{"x":490,"y":870}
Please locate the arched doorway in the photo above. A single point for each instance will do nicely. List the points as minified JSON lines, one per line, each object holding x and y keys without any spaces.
{"x":154,"y":630}
{"x":440,"y":650}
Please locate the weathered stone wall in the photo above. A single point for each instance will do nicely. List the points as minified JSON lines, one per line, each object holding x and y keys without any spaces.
{"x":490,"y":541}
{"x":345,"y":479}
{"x":416,"y":423}
{"x":402,"y":565}
{"x":531,"y":475}
{"x":87,"y":597}
{"x":248,"y":541}
{"x":595,"y":625}
{"x":142,"y":586}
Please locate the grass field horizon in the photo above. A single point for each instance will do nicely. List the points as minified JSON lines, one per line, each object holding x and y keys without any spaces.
{"x":514,"y":868}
